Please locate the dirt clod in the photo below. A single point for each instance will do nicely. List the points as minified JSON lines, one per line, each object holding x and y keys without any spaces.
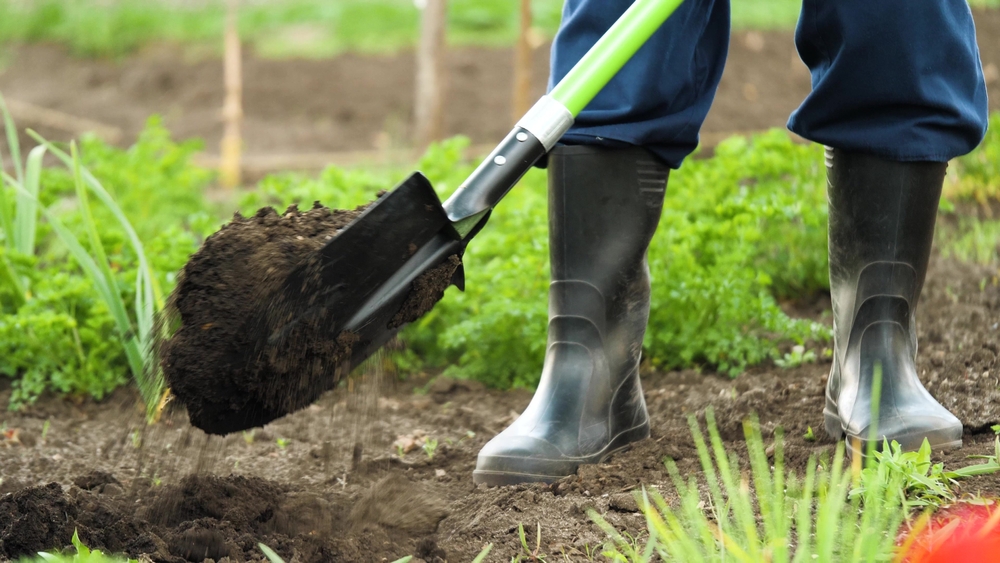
{"x":255,"y":342}
{"x":219,"y":363}
{"x":35,"y":519}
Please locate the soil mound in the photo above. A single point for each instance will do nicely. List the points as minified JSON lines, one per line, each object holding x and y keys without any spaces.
{"x":35,"y":519}
{"x":219,"y":363}
{"x":203,"y":517}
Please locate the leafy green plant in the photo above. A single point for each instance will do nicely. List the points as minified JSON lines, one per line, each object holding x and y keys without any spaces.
{"x":135,"y":335}
{"x":798,"y":356}
{"x":922,"y":483}
{"x":83,"y":555}
{"x":738,"y":229}
{"x":78,"y":316}
{"x":119,"y":27}
{"x":430,"y":447}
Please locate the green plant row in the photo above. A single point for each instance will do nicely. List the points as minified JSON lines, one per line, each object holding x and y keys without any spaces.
{"x":81,"y":279}
{"x":312,"y":28}
{"x":738,"y":231}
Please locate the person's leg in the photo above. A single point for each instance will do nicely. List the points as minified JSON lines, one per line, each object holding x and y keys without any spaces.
{"x":898,"y":90}
{"x":897,"y":79}
{"x":605,"y":197}
{"x":661,"y":97}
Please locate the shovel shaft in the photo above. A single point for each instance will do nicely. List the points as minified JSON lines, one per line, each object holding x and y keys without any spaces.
{"x":611,"y":52}
{"x":542,"y":127}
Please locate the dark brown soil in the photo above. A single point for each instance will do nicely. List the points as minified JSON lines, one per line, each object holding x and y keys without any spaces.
{"x":221,"y":363}
{"x":357,"y":102}
{"x":254,"y":341}
{"x":327,"y":484}
{"x":427,"y":290}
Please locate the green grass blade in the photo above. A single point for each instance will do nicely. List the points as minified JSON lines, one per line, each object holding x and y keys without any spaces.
{"x":6,"y":214}
{"x":12,"y":141}
{"x":151,"y":296}
{"x":149,"y":381}
{"x":760,"y":471}
{"x":133,"y":340}
{"x":105,"y":287}
{"x":26,"y":214}
{"x":7,"y":273}
{"x":803,"y":522}
{"x":270,"y":554}
{"x":77,"y":251}
{"x":482,"y":554}
{"x":90,"y":226}
{"x":737,"y":490}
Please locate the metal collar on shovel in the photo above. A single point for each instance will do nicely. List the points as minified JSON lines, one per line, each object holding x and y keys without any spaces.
{"x":368,"y":269}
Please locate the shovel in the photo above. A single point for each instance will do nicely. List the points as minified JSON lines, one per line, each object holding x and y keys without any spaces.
{"x":362,"y":278}
{"x":367,"y":271}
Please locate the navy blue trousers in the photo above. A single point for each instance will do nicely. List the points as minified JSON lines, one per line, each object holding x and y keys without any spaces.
{"x":899,"y":79}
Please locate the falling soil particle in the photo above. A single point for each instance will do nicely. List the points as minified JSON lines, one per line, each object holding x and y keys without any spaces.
{"x":222,"y":362}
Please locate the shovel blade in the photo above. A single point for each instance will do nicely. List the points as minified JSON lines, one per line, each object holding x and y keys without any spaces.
{"x":370,"y":264}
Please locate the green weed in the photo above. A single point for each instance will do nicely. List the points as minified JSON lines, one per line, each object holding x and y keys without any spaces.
{"x":527,"y":553}
{"x":83,"y":555}
{"x":798,"y":356}
{"x":430,"y":447}
{"x":923,"y":483}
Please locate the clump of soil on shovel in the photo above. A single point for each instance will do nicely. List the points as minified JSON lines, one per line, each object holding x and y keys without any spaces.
{"x":221,"y":363}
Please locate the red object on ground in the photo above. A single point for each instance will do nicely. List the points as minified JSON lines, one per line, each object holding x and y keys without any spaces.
{"x":965,"y":533}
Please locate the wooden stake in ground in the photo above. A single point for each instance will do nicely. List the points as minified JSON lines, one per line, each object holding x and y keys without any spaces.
{"x":429,"y":103}
{"x":521,"y":101}
{"x":232,"y":109}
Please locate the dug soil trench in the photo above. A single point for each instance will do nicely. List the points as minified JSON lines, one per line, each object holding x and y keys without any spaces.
{"x":346,"y":480}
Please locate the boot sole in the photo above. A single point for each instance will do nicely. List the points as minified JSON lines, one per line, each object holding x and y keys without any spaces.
{"x":535,"y":470}
{"x":940,"y":440}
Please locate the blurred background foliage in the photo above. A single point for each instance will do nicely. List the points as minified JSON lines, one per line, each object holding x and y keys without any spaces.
{"x":309,"y":28}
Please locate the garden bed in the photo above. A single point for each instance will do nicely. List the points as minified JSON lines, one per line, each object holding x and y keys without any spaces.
{"x":328,"y":483}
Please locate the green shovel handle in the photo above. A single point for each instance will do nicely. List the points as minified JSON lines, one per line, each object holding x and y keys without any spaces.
{"x":549,"y":119}
{"x":611,"y":52}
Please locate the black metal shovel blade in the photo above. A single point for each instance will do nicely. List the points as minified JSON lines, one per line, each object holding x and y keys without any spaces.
{"x":343,"y":276}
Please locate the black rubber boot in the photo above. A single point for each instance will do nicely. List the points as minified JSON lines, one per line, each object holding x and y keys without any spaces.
{"x":882,"y":217}
{"x":604,"y":205}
